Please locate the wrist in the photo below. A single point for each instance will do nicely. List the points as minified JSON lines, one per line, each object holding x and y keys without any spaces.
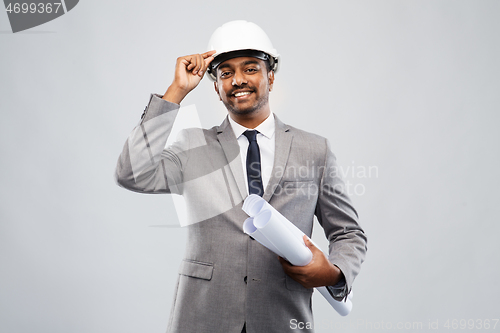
{"x":174,"y":94}
{"x":335,"y":275}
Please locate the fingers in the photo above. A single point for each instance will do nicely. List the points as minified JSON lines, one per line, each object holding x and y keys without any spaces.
{"x":198,"y":63}
{"x":208,"y":61}
{"x":284,"y":262}
{"x":307,"y":241}
{"x":207,"y":58}
{"x":208,"y":54}
{"x":195,"y":62}
{"x":287,"y":267}
{"x":291,"y":269}
{"x":310,"y":244}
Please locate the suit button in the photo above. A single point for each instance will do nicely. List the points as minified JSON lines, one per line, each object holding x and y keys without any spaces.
{"x":245,"y":279}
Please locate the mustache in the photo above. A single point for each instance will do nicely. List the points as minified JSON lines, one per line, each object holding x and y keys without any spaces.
{"x":241,"y":87}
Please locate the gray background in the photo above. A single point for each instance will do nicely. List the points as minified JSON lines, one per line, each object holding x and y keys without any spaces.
{"x":410,"y":87}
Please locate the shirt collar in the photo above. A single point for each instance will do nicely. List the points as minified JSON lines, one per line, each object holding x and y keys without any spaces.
{"x":266,"y":128}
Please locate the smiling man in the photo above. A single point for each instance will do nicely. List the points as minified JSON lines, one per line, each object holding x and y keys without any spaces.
{"x":228,"y":282}
{"x":243,"y":86}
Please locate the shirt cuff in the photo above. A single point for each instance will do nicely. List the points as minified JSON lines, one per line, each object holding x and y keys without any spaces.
{"x":339,"y":291}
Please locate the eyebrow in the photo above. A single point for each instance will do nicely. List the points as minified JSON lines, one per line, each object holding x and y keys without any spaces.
{"x":248,"y":62}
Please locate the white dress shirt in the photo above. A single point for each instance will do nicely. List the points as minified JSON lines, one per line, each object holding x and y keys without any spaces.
{"x":265,"y":140}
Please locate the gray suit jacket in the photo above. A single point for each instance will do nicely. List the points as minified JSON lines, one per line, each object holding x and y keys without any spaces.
{"x":226,"y":278}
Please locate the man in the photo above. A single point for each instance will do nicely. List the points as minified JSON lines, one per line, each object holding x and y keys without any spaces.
{"x":228,"y":282}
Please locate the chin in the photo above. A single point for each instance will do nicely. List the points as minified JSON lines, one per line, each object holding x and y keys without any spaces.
{"x":244,"y":111}
{"x":241,"y":111}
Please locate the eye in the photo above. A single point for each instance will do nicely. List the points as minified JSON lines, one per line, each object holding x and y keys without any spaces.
{"x":251,"y":70}
{"x":224,"y":74}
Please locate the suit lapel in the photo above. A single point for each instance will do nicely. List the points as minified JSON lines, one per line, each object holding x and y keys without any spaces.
{"x":283,"y":142}
{"x":231,"y":148}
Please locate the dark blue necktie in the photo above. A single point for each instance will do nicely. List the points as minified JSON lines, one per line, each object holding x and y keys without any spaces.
{"x":253,"y":164}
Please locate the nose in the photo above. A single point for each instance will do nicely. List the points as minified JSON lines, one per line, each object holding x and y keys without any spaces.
{"x":239,"y":78}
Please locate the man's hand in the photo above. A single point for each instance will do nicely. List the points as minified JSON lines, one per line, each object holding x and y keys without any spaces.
{"x":319,"y":272}
{"x":189,"y":71}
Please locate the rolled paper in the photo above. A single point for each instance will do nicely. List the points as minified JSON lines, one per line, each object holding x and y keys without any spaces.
{"x":274,"y":231}
{"x":343,"y":308}
{"x":268,"y":224}
{"x":250,"y":229}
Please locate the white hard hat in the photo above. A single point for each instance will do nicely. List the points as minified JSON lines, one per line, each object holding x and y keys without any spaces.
{"x":247,"y":38}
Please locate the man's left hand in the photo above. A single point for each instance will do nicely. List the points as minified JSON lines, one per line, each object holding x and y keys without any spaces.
{"x":319,"y":272}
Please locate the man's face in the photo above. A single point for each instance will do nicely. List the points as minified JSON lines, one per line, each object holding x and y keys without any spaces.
{"x":243,"y":84}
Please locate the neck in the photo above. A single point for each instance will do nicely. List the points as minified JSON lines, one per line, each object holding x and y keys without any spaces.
{"x":252,"y":119}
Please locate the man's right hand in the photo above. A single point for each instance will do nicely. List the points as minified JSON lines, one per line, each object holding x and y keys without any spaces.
{"x":189,"y":71}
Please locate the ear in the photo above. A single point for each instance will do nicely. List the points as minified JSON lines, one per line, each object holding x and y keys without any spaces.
{"x":270,"y":77}
{"x":217,"y":90}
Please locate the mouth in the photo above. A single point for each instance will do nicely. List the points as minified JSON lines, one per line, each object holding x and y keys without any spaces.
{"x":242,"y":94}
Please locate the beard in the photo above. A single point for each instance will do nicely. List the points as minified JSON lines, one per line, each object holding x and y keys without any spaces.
{"x":259,"y":104}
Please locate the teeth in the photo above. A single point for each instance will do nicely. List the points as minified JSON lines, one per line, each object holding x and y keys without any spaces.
{"x":242,"y":93}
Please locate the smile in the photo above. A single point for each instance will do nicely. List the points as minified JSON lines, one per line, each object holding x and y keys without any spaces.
{"x":242,"y":93}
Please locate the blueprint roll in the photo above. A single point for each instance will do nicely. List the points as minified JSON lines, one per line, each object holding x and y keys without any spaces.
{"x":269,"y":223}
{"x":343,"y":308}
{"x":250,"y":229}
{"x":254,"y":204}
{"x":274,"y":231}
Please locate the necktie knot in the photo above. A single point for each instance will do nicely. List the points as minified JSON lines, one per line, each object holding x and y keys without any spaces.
{"x":251,"y":135}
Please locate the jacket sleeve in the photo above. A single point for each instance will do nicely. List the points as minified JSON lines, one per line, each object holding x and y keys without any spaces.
{"x":145,"y":165}
{"x":337,"y":216}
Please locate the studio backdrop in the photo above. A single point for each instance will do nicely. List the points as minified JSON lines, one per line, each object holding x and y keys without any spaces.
{"x":406,"y":91}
